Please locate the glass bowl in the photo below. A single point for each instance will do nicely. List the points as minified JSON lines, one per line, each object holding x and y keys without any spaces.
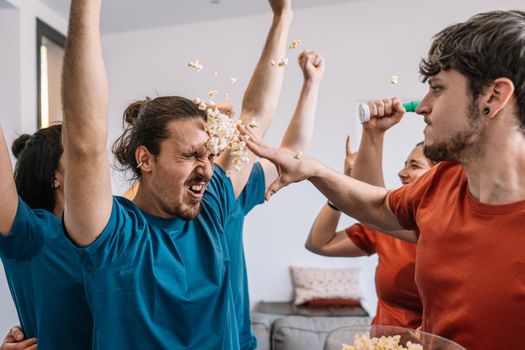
{"x":345,"y":335}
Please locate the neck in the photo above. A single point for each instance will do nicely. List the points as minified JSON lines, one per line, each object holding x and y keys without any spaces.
{"x":495,"y":176}
{"x":59,"y":205}
{"x":145,"y":200}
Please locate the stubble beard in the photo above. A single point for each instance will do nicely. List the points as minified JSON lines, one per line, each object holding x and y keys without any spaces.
{"x":460,"y":146}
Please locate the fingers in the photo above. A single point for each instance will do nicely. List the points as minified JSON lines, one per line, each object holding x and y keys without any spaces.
{"x":397,"y":106}
{"x":255,"y":144}
{"x":307,"y":58}
{"x":226,"y":108}
{"x":16,"y":333}
{"x":386,"y":107}
{"x":348,"y":146}
{"x":28,"y":344}
{"x":273,"y":189}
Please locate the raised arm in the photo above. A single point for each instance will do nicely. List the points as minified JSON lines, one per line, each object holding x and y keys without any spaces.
{"x":262,"y":95}
{"x":87,"y":187}
{"x":362,"y":201}
{"x":368,"y":165}
{"x":300,"y":129}
{"x":8,"y":194}
{"x":324,"y":239}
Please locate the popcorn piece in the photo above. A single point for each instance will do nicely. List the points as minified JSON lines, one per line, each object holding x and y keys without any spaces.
{"x":195,"y":64}
{"x":394,"y":79}
{"x":212,"y":93}
{"x":295,"y":44}
{"x":233,"y":80}
{"x":253,"y":123}
{"x":282,"y":63}
{"x":226,"y":96}
{"x":215,"y":74}
{"x":223,"y":134}
{"x":203,"y":106}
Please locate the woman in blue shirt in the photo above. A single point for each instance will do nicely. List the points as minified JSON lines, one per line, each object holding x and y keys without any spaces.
{"x":42,"y":267}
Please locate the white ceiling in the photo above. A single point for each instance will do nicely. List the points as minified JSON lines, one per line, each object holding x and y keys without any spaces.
{"x":123,"y":15}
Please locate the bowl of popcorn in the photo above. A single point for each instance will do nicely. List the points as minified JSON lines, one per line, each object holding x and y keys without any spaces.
{"x":376,"y":337}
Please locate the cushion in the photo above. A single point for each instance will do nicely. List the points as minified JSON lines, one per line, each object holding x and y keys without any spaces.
{"x":325,"y":283}
{"x":333,"y":302}
{"x":308,"y":333}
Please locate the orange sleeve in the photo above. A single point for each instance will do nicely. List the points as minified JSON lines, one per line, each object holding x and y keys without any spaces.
{"x":362,"y":237}
{"x":405,"y":200}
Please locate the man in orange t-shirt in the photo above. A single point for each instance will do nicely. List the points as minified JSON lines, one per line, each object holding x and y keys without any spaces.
{"x":469,"y":211}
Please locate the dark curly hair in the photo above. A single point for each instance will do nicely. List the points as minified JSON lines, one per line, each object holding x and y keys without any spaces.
{"x":146,"y":124}
{"x":37,"y":160}
{"x":488,"y":46}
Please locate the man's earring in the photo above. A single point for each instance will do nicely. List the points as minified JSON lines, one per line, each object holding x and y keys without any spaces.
{"x":486,"y":111}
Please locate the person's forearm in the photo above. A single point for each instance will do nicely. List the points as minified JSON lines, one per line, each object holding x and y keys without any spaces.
{"x":84,"y":83}
{"x":262,"y":95}
{"x":8,"y":193}
{"x":87,"y":186}
{"x":323,"y":229}
{"x":368,"y":165}
{"x":364,"y":202}
{"x":300,"y":129}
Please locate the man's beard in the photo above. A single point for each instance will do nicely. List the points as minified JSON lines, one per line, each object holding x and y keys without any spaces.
{"x":185,"y":212}
{"x":457,"y":148}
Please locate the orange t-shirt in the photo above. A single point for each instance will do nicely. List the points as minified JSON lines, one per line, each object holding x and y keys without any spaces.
{"x":470,"y":266}
{"x":399,"y":303}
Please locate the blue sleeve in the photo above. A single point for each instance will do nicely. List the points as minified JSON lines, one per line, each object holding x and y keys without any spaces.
{"x":26,"y":238}
{"x":220,"y":196}
{"x":253,"y":192}
{"x":120,"y":238}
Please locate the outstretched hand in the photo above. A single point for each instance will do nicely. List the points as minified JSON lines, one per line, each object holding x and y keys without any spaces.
{"x":291,"y":167}
{"x":384,"y":114}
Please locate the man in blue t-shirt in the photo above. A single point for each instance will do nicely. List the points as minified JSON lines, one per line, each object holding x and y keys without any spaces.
{"x":156,"y":269}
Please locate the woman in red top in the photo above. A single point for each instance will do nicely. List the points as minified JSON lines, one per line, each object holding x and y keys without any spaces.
{"x":399,"y":303}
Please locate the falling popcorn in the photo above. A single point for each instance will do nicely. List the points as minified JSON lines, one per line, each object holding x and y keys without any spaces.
{"x":295,"y":44}
{"x":226,"y":96}
{"x":394,"y":79}
{"x":212,"y":93}
{"x":196,"y":65}
{"x":253,"y":123}
{"x":282,"y":63}
{"x":216,"y":74}
{"x":223,"y":134}
{"x":233,"y":80}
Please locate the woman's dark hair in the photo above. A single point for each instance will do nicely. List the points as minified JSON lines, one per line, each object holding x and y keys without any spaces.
{"x":488,"y":46}
{"x":146,"y":124}
{"x":37,"y":160}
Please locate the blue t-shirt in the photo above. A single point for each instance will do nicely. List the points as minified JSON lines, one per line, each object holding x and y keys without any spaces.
{"x":155,"y":283}
{"x":252,"y":195}
{"x":44,"y":274}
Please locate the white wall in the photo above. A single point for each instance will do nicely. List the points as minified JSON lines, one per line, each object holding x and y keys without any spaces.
{"x":363,"y":43}
{"x":18,"y":91}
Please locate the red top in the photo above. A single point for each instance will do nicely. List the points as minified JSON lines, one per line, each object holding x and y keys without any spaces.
{"x":399,"y":303}
{"x":470,"y":267}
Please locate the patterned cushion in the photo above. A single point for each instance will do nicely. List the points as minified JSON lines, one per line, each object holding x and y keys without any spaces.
{"x":325,"y":283}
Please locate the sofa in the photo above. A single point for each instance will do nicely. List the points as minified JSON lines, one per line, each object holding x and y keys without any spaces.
{"x":283,"y":326}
